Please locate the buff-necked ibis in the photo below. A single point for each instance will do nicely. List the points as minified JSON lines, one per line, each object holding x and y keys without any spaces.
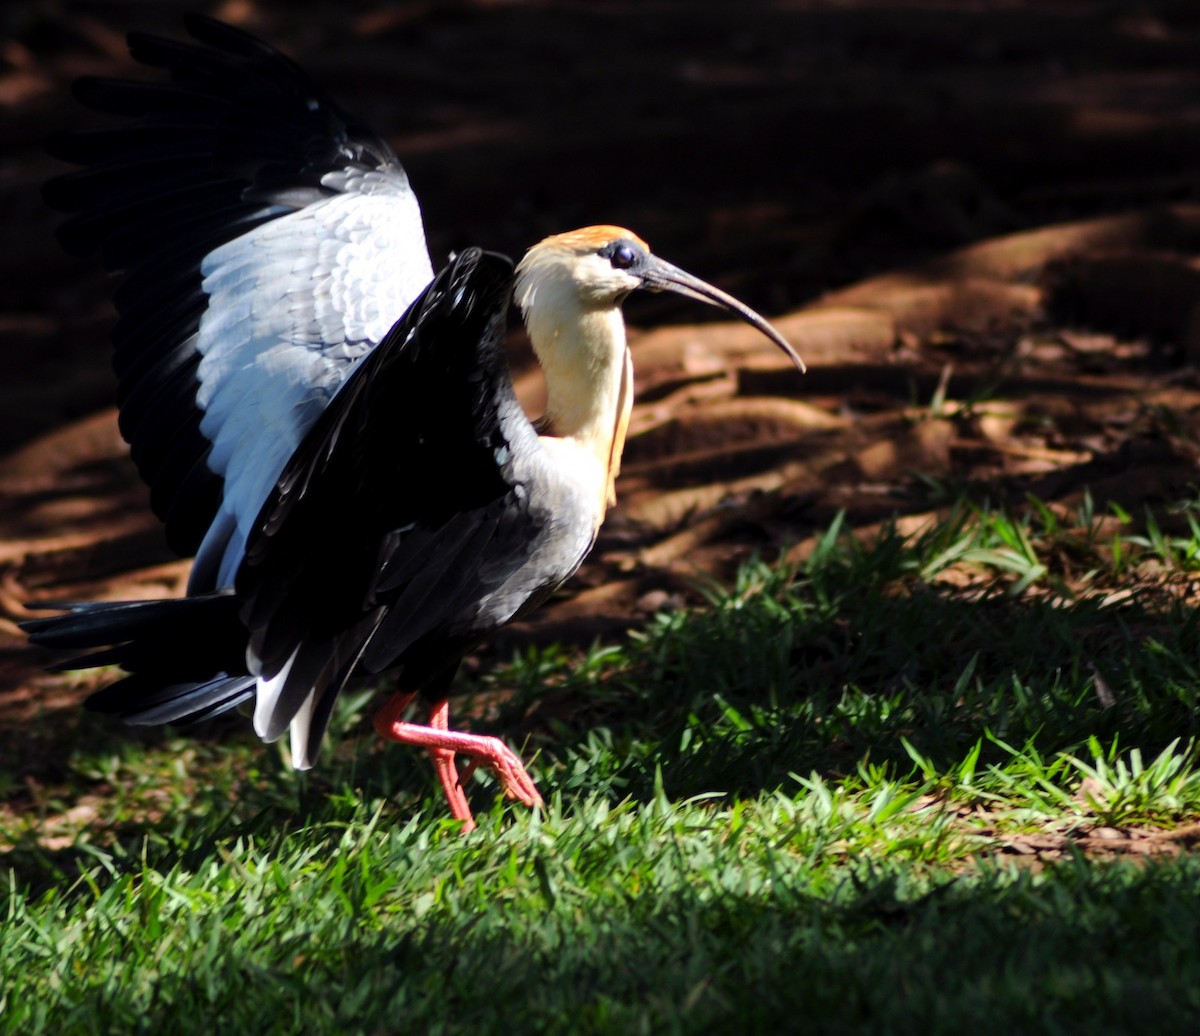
{"x":329,"y":428}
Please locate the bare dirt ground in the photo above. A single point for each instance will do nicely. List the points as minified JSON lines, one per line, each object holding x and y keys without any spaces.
{"x":938,"y":202}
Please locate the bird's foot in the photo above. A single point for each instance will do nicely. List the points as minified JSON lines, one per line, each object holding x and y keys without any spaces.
{"x":444,"y":744}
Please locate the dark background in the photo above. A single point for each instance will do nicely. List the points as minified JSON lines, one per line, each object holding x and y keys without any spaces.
{"x":780,"y":149}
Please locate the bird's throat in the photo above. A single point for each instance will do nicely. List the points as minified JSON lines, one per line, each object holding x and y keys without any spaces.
{"x":589,"y":389}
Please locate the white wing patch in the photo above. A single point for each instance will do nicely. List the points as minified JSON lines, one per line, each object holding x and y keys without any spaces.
{"x":299,"y":731}
{"x":266,"y":699}
{"x":291,"y":306}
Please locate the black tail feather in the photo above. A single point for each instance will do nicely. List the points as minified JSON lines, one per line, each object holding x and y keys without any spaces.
{"x":144,"y":702}
{"x":186,"y":657}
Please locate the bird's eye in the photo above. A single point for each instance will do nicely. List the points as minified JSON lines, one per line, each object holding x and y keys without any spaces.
{"x":623,"y":255}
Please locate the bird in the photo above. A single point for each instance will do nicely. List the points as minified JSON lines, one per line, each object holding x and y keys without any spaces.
{"x":326,"y":425}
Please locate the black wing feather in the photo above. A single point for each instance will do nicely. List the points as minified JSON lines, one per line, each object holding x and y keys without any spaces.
{"x":399,"y":476}
{"x":237,"y":136}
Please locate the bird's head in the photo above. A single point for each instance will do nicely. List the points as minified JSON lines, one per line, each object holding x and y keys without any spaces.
{"x":595,"y":269}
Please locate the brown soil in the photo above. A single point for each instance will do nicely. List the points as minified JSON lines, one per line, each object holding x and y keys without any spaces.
{"x":938,"y":202}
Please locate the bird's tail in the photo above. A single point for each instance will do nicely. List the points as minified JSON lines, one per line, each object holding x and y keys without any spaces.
{"x":185,"y":657}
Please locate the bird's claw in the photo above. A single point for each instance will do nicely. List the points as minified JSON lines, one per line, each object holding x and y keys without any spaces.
{"x":506,"y":766}
{"x":444,"y":745}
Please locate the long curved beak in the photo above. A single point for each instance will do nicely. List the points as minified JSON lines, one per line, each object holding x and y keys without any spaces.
{"x":658,"y":275}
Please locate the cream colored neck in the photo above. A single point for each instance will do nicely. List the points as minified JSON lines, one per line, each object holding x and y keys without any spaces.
{"x":589,"y":382}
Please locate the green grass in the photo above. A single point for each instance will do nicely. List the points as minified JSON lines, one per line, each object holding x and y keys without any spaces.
{"x":861,"y":792}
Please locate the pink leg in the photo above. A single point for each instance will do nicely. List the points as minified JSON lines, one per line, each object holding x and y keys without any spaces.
{"x":444,"y":744}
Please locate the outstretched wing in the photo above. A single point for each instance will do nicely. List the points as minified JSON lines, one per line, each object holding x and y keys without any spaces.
{"x":267,"y":242}
{"x":402,"y":518}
